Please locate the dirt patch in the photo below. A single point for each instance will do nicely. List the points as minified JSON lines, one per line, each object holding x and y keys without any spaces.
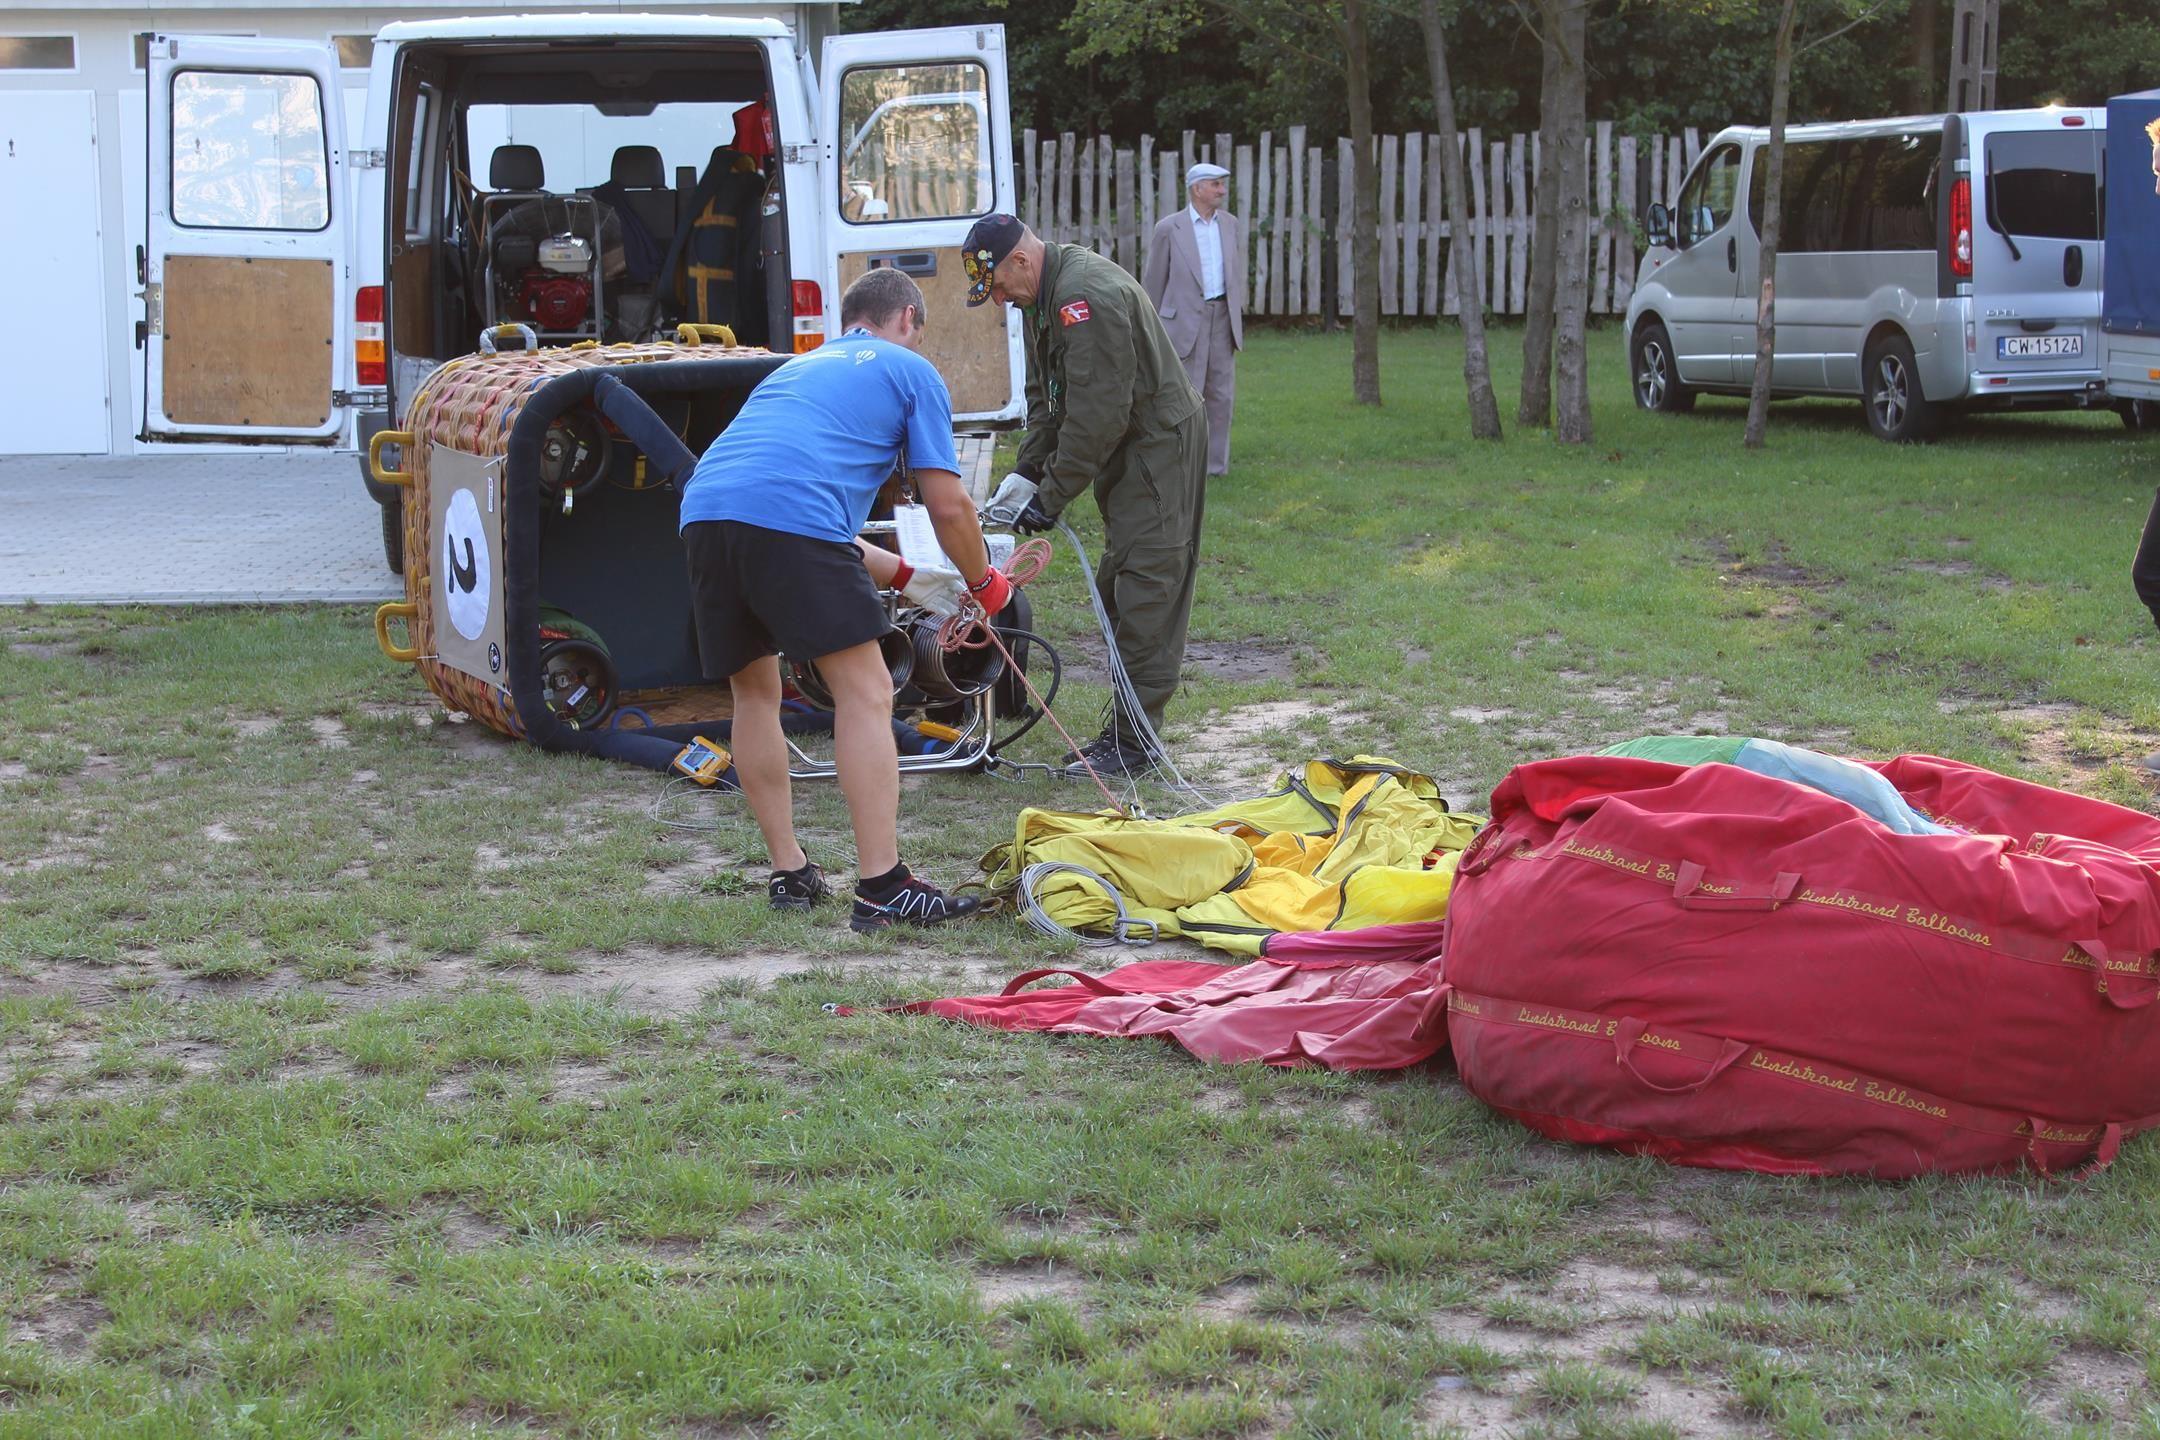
{"x":329,"y":733}
{"x":1453,"y":1406}
{"x":1019,"y":1285}
{"x":44,"y":650}
{"x":1774,"y":566}
{"x":1238,"y":1300}
{"x":1686,"y":1407}
{"x":1253,"y":658}
{"x":1608,"y":1291}
{"x":1645,"y":707}
{"x":254,"y":727}
{"x":65,"y":1325}
{"x":466,"y":1229}
{"x":1227,"y":747}
{"x":2088,"y":1384}
{"x":1481,"y":715}
{"x":676,"y":982}
{"x":647,"y":979}
{"x":500,"y":1417}
{"x":574,"y":1081}
{"x":2076,"y":744}
{"x":1466,"y":1328}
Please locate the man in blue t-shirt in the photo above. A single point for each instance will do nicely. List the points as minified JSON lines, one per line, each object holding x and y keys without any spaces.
{"x":768,"y":525}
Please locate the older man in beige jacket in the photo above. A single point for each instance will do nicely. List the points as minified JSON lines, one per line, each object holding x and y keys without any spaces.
{"x":1196,"y":277}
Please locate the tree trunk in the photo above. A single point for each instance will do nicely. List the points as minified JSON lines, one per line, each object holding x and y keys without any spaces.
{"x":1477,"y":374}
{"x":1365,"y":227}
{"x":1571,"y":283}
{"x":1758,"y":409}
{"x":1535,"y":407}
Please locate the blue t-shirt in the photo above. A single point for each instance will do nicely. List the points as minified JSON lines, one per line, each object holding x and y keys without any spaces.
{"x":818,"y":437}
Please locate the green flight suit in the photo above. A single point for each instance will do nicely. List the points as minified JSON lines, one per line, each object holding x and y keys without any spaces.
{"x":1109,"y":407}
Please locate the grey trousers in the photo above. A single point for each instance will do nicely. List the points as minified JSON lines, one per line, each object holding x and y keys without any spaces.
{"x":1212,"y":368}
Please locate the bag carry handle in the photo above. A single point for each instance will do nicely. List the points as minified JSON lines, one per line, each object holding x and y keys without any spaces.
{"x":2122,"y":990}
{"x":1690,"y":891}
{"x":1631,"y":1030}
{"x":1488,"y":845}
{"x":1087,"y":982}
{"x":2103,"y":1155}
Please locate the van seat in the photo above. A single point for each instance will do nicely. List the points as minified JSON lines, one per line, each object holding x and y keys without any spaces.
{"x":516,"y":167}
{"x":639,"y":177}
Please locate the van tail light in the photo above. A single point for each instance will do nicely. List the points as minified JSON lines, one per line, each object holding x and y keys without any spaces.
{"x":809,"y":315}
{"x":368,"y":365}
{"x":1961,"y":229}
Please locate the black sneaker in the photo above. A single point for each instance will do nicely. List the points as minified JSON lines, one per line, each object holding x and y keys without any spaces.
{"x":916,"y":902}
{"x":1088,"y":748}
{"x":1108,"y":757}
{"x":797,"y":889}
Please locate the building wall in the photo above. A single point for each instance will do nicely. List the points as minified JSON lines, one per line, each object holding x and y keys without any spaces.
{"x":107,"y":84}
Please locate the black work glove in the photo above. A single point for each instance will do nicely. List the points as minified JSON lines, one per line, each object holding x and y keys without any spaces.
{"x":1032,"y":521}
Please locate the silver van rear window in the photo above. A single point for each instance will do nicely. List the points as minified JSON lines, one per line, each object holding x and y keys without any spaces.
{"x":2046,"y":183}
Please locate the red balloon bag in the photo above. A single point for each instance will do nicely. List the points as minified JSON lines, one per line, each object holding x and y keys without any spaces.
{"x":1727,"y":969}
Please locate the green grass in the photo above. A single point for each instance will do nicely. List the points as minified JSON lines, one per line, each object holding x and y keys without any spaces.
{"x":377,"y":1077}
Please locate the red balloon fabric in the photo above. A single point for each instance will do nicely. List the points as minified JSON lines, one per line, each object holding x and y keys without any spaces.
{"x":1350,"y":1000}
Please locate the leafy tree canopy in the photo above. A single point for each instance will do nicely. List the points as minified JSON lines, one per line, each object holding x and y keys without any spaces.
{"x":1132,"y":67}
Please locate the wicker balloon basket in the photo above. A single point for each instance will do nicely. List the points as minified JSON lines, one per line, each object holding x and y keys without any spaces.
{"x":545,"y":588}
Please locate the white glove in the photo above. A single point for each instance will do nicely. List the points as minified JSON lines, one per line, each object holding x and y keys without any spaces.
{"x":1012,"y":497}
{"x":941,"y":592}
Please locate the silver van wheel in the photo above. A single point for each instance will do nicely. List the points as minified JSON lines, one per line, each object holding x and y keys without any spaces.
{"x":1893,"y":392}
{"x":1897,"y":409}
{"x":1657,"y":382}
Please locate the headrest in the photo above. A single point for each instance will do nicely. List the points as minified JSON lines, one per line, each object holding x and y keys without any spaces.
{"x":638,"y":167}
{"x":516,"y":167}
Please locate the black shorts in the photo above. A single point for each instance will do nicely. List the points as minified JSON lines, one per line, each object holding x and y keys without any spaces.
{"x":756,"y":592}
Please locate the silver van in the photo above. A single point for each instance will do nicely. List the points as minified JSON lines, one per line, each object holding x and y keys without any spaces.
{"x":1928,"y":265}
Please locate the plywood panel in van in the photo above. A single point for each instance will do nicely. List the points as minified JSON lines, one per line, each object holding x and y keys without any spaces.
{"x":248,"y":341}
{"x":967,"y":346}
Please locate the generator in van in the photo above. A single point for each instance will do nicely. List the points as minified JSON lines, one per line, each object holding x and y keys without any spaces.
{"x":2130,"y":299}
{"x":1928,"y":265}
{"x":546,"y":181}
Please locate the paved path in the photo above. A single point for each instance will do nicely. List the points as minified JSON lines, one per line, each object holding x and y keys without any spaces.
{"x":271,"y":529}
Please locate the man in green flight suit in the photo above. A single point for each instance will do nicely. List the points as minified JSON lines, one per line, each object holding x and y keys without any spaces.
{"x":1109,"y":408}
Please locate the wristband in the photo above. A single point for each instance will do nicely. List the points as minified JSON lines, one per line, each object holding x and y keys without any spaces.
{"x":989,"y":572}
{"x":901,"y":576}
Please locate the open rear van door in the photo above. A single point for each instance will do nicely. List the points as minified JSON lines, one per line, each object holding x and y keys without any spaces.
{"x":245,"y":266}
{"x":920,"y":148}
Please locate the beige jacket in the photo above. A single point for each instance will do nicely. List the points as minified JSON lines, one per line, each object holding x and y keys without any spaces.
{"x":1172,"y":278}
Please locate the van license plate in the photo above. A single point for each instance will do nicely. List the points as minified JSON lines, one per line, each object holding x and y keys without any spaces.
{"x":2038,"y":347}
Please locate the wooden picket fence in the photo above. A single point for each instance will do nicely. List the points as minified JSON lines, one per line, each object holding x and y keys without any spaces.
{"x":1090,"y":191}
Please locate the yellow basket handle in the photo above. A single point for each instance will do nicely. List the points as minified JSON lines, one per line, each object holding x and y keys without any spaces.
{"x":406,"y":611}
{"x":401,"y":438}
{"x":689,"y":333}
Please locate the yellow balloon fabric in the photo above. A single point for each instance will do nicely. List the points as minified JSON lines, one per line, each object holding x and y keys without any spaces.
{"x":1336,"y":845}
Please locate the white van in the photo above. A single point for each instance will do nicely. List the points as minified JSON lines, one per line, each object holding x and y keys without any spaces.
{"x":1927,"y":265}
{"x":557,"y":178}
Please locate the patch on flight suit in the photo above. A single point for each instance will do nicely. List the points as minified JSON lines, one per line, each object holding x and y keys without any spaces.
{"x":1073,"y":313}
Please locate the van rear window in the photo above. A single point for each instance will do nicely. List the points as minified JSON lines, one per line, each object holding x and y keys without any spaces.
{"x":2045,"y":184}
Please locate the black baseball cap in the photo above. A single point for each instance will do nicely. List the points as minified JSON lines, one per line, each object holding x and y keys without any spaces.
{"x":989,"y":240}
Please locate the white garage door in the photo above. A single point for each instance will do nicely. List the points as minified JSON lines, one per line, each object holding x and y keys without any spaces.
{"x":52,"y":370}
